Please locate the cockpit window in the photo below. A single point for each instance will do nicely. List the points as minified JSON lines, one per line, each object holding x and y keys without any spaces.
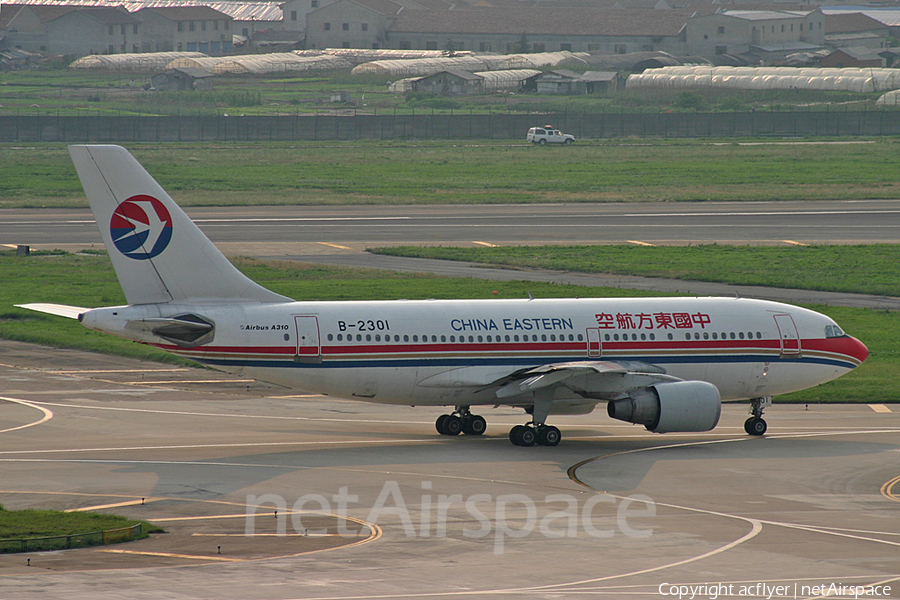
{"x":833,"y":331}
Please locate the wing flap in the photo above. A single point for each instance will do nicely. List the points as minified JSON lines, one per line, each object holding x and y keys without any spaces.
{"x":599,"y":380}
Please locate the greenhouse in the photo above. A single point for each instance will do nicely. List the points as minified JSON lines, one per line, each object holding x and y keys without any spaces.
{"x":889,"y":99}
{"x":480,"y":62}
{"x":147,"y":62}
{"x":768,"y":78}
{"x":258,"y":64}
{"x":506,"y":80}
{"x":493,"y":81}
{"x":541,"y":59}
{"x":358,"y":56}
{"x":419,"y":67}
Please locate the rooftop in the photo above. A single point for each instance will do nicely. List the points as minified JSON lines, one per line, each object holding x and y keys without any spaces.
{"x":543,"y":21}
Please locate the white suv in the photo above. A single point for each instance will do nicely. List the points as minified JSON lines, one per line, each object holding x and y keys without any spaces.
{"x":545,"y":134}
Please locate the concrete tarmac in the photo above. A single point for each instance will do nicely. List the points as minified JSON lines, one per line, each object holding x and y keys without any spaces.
{"x":374,"y":504}
{"x":664,"y":223}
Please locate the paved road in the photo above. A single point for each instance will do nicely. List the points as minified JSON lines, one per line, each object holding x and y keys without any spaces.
{"x":659,"y":223}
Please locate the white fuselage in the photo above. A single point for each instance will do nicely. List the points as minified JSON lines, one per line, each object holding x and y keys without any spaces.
{"x":445,"y":352}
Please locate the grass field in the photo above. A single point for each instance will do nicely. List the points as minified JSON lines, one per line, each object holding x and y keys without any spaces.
{"x":455,"y":173}
{"x":873,"y":269}
{"x":30,"y":524}
{"x":89,"y":281}
{"x":60,"y":91}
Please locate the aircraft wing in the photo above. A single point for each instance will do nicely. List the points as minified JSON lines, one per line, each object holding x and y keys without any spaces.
{"x":591,"y":379}
{"x":60,"y":310}
{"x":600,"y":380}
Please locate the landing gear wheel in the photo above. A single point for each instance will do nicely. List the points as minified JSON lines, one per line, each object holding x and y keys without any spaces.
{"x":452,"y":425}
{"x":755,"y":426}
{"x":514,"y":434}
{"x":522,"y":435}
{"x":548,"y":435}
{"x":439,"y":424}
{"x":448,"y":425}
{"x":474,"y":425}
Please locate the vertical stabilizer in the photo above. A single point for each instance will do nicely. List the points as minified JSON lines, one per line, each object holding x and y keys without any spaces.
{"x":159,"y":255}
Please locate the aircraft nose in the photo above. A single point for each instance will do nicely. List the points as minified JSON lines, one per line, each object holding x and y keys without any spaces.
{"x":858,"y":350}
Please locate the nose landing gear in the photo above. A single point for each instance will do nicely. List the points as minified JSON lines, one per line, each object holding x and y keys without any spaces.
{"x":755,"y":425}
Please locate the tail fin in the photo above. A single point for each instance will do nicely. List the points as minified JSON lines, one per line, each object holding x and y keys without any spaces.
{"x":158,"y":253}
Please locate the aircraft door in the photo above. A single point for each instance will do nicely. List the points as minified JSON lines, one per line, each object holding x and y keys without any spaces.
{"x":594,"y":345}
{"x":308,"y":347}
{"x":788,"y":334}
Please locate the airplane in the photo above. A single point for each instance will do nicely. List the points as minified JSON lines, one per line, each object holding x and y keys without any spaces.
{"x":664,"y":363}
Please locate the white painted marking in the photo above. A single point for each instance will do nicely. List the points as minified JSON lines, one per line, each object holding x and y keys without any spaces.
{"x":488,"y":244}
{"x":639,"y":243}
{"x":793,"y":243}
{"x":338,"y":246}
{"x":47,"y":413}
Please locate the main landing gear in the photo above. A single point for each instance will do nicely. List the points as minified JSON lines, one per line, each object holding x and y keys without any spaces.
{"x":460,"y":421}
{"x":537,"y":431}
{"x":528,"y":435}
{"x":755,"y":425}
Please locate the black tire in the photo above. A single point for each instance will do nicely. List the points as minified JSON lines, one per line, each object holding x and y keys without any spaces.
{"x":542,"y":142}
{"x":474,"y":425}
{"x":527,"y":436}
{"x":452,"y":425}
{"x":439,"y":424}
{"x":549,"y":436}
{"x":514,"y":434}
{"x":567,"y":142}
{"x":755,"y":426}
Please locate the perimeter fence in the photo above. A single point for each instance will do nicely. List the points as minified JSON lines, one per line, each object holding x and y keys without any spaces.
{"x":496,"y":126}
{"x":65,"y":542}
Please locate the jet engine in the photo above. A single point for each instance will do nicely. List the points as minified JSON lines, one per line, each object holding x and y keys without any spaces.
{"x":670,"y":407}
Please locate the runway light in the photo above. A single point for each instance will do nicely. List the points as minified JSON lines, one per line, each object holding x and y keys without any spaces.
{"x":219,"y":548}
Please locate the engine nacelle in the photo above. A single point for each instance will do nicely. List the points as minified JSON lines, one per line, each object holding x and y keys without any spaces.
{"x":670,"y":407}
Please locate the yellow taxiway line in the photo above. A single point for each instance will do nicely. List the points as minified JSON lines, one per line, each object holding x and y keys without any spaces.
{"x":114,"y":505}
{"x":172,"y":555}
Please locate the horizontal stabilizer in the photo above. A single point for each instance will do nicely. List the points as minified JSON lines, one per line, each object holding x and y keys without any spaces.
{"x":60,"y":310}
